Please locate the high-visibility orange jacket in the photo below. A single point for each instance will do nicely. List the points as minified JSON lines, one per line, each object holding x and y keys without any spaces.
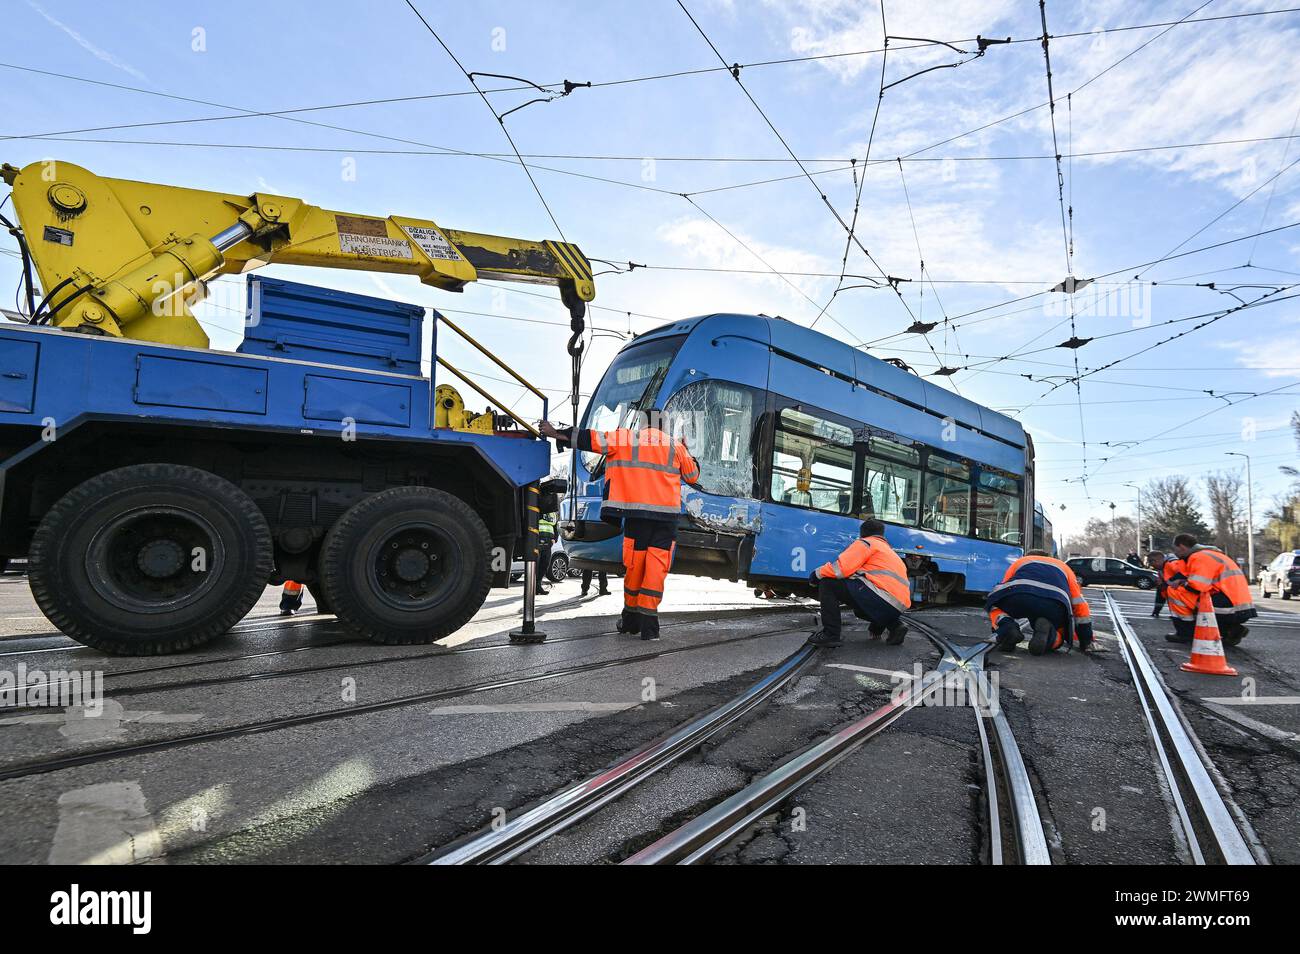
{"x":1182,"y":602}
{"x":872,"y":561}
{"x":644,"y":470}
{"x":1210,"y":569}
{"x":1044,"y":576}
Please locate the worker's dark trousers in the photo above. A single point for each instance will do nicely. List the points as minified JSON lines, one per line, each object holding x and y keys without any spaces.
{"x":647,"y":556}
{"x":291,"y":597}
{"x":601,"y":578}
{"x":855,"y":594}
{"x":1032,"y":607}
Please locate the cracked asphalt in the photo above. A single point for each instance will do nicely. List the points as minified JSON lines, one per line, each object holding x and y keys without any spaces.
{"x":473,"y":730}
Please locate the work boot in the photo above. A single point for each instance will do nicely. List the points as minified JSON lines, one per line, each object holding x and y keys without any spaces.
{"x":1044,"y":636}
{"x":875,"y":629}
{"x":1085,"y":642}
{"x":822,"y":638}
{"x":1008,"y":635}
{"x":629,"y":623}
{"x":897,"y":633}
{"x":602,"y":592}
{"x":650,"y":629}
{"x":1234,"y":635}
{"x":584,"y":591}
{"x":1178,"y":638}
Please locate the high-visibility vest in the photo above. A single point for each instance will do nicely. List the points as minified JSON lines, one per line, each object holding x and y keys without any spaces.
{"x":1209,"y":568}
{"x":1044,"y":576}
{"x":873,"y":562}
{"x":1182,"y":602}
{"x":644,"y":470}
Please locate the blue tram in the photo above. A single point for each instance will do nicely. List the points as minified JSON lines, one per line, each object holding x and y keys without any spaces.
{"x":799,"y":438}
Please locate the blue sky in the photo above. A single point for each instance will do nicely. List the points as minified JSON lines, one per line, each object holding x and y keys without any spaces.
{"x":988,"y":227}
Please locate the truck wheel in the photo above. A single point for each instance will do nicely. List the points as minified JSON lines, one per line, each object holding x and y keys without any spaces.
{"x":150,"y":559}
{"x":407,"y":565}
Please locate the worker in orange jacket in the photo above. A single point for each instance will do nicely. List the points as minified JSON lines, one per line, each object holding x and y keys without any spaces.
{"x":1043,"y":590}
{"x":644,"y":470}
{"x":1211,"y":570}
{"x":1181,"y":600}
{"x":870,"y":577}
{"x":291,"y":597}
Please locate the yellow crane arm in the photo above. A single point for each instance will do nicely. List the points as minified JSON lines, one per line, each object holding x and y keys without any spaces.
{"x":127,"y":259}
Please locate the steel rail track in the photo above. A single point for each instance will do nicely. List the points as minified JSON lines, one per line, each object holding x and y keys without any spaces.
{"x":581,"y":799}
{"x":93,"y":756}
{"x":1205,"y":818}
{"x":700,"y":837}
{"x":304,"y":670}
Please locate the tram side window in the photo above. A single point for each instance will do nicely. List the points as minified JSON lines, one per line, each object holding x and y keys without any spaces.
{"x":716,"y":419}
{"x":946,"y":503}
{"x":812,"y":463}
{"x":891,"y":481}
{"x":997,"y":508}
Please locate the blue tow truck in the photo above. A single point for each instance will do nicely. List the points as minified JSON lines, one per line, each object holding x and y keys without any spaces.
{"x":156,"y":486}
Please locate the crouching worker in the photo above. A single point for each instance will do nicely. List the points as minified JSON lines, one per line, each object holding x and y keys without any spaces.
{"x":1210,"y":569}
{"x":1044,"y":591}
{"x":871,"y":578}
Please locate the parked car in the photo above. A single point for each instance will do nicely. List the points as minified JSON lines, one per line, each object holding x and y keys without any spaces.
{"x":556,"y":572}
{"x":1094,"y":570}
{"x":1282,"y":576}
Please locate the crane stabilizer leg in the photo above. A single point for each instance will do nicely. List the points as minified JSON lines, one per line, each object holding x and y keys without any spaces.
{"x":528,"y":631}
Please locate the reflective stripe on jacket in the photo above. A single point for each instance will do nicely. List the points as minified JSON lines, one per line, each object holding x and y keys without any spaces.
{"x":1043,"y":576}
{"x":1210,"y":569}
{"x":872,"y":561}
{"x":644,"y":470}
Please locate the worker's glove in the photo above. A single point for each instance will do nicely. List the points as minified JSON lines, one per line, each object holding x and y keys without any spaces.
{"x":814,"y":579}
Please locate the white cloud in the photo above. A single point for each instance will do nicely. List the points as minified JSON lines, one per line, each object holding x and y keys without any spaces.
{"x":1276,"y":353}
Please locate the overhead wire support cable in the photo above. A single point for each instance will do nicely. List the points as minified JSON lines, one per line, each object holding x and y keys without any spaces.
{"x":798,"y":162}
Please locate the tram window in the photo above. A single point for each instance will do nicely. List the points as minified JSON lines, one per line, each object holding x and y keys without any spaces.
{"x":812,"y":463}
{"x":631,"y":378}
{"x":946,"y":503}
{"x":997,"y":508}
{"x":891,"y":481}
{"x":716,"y":419}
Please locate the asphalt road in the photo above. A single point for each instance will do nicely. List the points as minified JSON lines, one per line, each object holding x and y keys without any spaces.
{"x":289,"y":741}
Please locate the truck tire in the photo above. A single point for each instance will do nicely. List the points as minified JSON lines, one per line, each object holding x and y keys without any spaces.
{"x":407,"y":565}
{"x":150,"y":559}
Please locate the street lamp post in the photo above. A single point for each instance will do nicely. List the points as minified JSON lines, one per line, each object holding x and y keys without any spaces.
{"x":1250,"y":517}
{"x":1139,"y":516}
{"x":1114,"y":535}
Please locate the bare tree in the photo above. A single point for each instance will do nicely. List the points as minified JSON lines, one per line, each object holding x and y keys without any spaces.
{"x":1103,"y":536}
{"x":1227,"y":512}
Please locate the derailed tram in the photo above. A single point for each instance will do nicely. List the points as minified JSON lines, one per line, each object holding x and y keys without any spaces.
{"x":799,"y":438}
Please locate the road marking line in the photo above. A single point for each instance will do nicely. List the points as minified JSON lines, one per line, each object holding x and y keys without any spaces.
{"x":105,"y":824}
{"x":871,"y":669}
{"x":536,"y":707}
{"x":1253,"y":700}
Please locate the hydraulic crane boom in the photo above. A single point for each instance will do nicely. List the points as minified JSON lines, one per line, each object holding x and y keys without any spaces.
{"x":127,"y":259}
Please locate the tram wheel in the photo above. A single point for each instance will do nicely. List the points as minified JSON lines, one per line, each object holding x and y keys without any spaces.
{"x":150,"y":559}
{"x":407,"y":565}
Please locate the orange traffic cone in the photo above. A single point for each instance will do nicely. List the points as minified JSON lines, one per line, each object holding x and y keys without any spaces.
{"x":1207,"y":649}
